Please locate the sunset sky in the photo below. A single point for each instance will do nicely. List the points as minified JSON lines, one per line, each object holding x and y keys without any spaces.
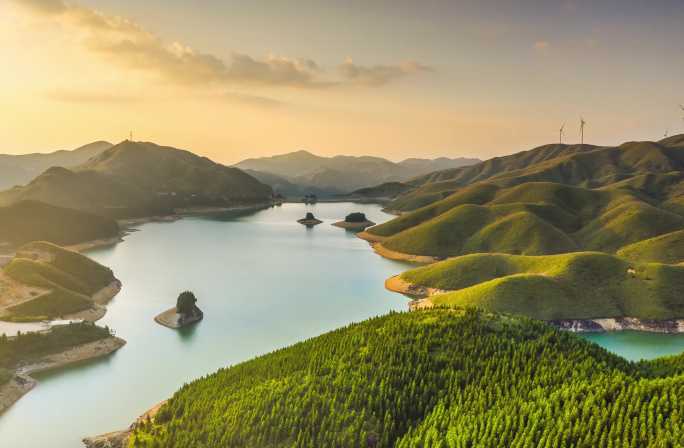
{"x":392,"y":78}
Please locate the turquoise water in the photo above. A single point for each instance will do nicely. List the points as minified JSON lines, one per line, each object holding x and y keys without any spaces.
{"x":263,"y":282}
{"x":637,"y":345}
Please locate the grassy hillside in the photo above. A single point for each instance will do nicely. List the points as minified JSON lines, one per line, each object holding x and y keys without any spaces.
{"x":534,"y":218}
{"x":429,"y":379}
{"x":579,"y":285}
{"x":667,"y":248}
{"x":28,"y":221}
{"x":69,"y":278}
{"x":139,"y":179}
{"x":384,"y":191}
{"x":580,"y":165}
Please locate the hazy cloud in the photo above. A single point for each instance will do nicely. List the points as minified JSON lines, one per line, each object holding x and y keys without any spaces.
{"x":80,"y":96}
{"x":126,"y":44}
{"x":378,"y":75}
{"x":542,"y":45}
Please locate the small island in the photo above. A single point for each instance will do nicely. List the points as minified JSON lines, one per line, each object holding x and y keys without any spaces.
{"x":183,"y":314}
{"x":355,"y":221}
{"x":309,"y":220}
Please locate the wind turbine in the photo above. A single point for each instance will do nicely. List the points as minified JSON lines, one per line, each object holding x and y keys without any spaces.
{"x":560,"y":134}
{"x":582,"y":123}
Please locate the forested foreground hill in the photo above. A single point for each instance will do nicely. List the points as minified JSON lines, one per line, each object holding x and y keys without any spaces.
{"x":430,"y":379}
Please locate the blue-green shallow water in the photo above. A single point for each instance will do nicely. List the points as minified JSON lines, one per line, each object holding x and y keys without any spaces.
{"x":637,"y":345}
{"x":263,"y":281}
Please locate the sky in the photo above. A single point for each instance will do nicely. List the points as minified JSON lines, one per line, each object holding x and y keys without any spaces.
{"x":391,"y":78}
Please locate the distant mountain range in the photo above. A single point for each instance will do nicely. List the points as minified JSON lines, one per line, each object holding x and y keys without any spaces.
{"x":300,"y":172}
{"x":141,"y":179}
{"x":21,"y":169}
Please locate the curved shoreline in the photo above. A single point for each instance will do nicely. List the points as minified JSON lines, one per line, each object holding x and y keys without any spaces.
{"x":171,"y":319}
{"x":400,"y":256}
{"x":421,"y":296}
{"x":23,"y":382}
{"x":376,"y":243}
{"x":353,"y":225}
{"x":119,"y":439}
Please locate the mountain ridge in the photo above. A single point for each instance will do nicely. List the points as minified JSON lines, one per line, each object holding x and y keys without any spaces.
{"x":19,"y":169}
{"x":141,"y":179}
{"x":341,"y":173}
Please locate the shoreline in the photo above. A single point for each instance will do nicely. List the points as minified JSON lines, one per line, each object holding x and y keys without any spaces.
{"x":376,"y":241}
{"x":119,"y":439}
{"x":357,"y":226}
{"x":421,"y":295}
{"x":94,"y":244}
{"x":23,"y":382}
{"x":180,"y":213}
{"x":100,"y":299}
{"x":400,"y":256}
{"x":171,"y":319}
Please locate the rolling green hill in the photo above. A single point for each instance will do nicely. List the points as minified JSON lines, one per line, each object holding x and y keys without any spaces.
{"x":27,"y":221}
{"x":141,"y":179}
{"x":68,"y":278}
{"x":667,"y":248}
{"x":580,"y":165}
{"x":533,"y":218}
{"x":429,"y":379}
{"x":581,"y":285}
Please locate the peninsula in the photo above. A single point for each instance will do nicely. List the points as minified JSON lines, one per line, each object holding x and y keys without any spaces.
{"x":45,"y":282}
{"x":26,"y":354}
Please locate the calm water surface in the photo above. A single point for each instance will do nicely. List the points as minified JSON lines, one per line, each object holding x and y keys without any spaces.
{"x":263,"y":281}
{"x":637,"y":345}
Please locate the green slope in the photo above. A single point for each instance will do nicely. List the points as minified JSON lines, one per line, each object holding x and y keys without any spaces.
{"x":141,"y":179}
{"x":667,"y":248}
{"x":580,"y":165}
{"x":28,"y":221}
{"x":69,"y":277}
{"x":534,"y":218}
{"x":579,"y":285}
{"x":428,"y":379}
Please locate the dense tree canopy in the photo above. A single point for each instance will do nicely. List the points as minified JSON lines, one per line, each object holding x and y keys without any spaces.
{"x":430,"y":379}
{"x":185,"y":304}
{"x":355,"y":217}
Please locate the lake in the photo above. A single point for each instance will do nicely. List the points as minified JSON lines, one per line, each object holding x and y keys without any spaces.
{"x":263,"y":281}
